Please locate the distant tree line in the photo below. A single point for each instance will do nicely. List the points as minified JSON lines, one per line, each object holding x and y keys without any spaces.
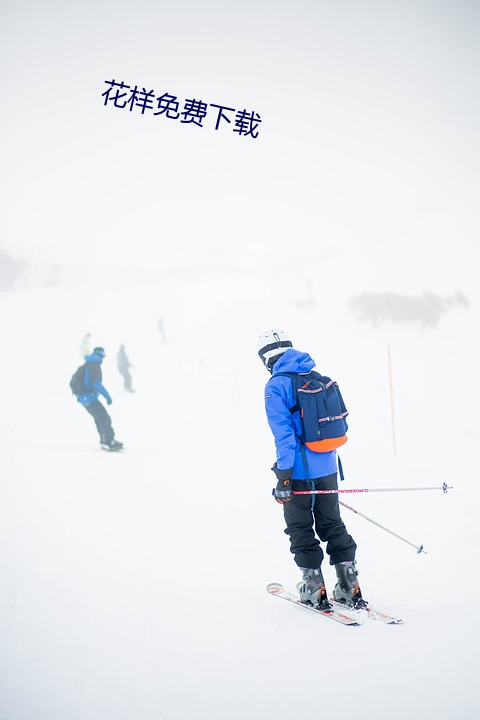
{"x":426,"y":309}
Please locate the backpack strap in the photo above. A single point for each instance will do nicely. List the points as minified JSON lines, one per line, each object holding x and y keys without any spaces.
{"x":304,"y":458}
{"x":293,"y":377}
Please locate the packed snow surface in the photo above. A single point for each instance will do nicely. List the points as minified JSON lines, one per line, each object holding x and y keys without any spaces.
{"x":133,"y":584}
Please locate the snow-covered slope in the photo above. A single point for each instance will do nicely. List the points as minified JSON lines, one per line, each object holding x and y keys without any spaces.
{"x":133,"y":585}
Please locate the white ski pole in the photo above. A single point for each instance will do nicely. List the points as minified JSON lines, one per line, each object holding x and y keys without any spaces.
{"x":443,"y":487}
{"x":418,"y":548}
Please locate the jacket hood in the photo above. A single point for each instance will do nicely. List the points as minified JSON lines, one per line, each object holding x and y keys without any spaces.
{"x":93,"y":358}
{"x":293,"y":361}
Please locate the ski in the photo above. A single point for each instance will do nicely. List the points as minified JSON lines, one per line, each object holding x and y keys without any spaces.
{"x":371,"y":613}
{"x":337,"y":614}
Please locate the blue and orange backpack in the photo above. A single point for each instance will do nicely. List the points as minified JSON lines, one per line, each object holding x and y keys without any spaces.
{"x":322,"y":410}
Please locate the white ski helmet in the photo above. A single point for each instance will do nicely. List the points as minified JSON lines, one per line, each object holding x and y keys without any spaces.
{"x":271,"y":344}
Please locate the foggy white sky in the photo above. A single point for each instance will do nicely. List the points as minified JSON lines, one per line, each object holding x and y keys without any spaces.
{"x":367,"y":151}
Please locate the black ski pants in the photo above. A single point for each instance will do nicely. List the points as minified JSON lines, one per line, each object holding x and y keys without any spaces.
{"x":102,"y":421}
{"x":310,"y":517}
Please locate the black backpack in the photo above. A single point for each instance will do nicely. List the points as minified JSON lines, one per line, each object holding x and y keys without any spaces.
{"x":78,"y":378}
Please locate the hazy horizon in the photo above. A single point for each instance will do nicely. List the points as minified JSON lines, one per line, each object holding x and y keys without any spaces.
{"x":367,"y":151}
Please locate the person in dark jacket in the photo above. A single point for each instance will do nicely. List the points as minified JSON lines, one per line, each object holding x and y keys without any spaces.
{"x":124,"y":366}
{"x":92,"y":388}
{"x":309,"y":518}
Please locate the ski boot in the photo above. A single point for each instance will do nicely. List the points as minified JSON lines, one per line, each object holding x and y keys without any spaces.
{"x":347,"y":590}
{"x":112,"y":446}
{"x":312,"y":589}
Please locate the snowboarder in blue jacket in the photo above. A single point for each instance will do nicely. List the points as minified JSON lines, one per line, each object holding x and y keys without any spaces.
{"x":309,"y":518}
{"x":92,"y":388}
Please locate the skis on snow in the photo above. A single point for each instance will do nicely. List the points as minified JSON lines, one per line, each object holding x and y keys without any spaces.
{"x":338,"y":613}
{"x":335,"y":613}
{"x":371,"y":613}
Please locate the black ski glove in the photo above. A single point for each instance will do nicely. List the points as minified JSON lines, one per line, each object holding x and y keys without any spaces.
{"x":282,"y":474}
{"x":283,"y":492}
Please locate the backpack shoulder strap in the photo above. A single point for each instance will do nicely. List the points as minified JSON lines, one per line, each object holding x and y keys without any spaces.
{"x":86,"y":376}
{"x":293,"y":377}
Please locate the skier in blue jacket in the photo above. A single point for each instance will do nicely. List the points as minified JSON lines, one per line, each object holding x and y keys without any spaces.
{"x":309,"y":518}
{"x":93,"y":387}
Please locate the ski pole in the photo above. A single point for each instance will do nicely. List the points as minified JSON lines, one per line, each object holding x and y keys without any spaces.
{"x":419,"y":548}
{"x":443,"y":487}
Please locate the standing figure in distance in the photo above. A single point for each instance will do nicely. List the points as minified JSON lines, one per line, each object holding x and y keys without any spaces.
{"x":161,"y":329}
{"x":85,"y":345}
{"x":309,"y":518}
{"x":88,"y":389}
{"x":124,"y":366}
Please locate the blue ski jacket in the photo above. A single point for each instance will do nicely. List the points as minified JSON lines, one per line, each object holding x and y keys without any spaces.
{"x":93,"y":381}
{"x":285,"y":426}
